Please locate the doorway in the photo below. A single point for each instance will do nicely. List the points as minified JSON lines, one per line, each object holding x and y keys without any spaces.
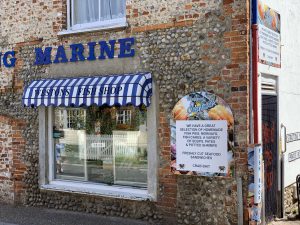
{"x":270,"y":154}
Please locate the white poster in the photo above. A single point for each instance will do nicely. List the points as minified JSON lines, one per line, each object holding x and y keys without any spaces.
{"x":269,"y":46}
{"x":269,"y":27}
{"x":202,"y":145}
{"x":257,"y":174}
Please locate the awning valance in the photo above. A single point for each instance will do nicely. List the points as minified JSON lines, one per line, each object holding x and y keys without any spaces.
{"x":134,"y":89}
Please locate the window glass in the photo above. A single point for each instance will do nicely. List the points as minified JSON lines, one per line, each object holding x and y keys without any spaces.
{"x":124,"y":117}
{"x":101,"y":144}
{"x":89,"y":11}
{"x":86,"y":11}
{"x":112,"y":9}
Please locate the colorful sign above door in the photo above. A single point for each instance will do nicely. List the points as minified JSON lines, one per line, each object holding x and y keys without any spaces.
{"x":202,"y":136}
{"x":268,"y":21}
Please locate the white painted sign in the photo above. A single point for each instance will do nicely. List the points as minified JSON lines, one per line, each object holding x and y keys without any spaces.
{"x":294,"y":156}
{"x":257,"y":173}
{"x":201,"y":146}
{"x":291,"y":164}
{"x":292,"y":137}
{"x":98,"y":145}
{"x":269,"y":46}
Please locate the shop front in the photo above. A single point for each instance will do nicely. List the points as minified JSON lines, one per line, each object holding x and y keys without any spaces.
{"x":141,"y":113}
{"x":95,"y":134}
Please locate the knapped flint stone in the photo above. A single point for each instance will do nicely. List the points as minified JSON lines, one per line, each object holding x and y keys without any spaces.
{"x":175,"y":57}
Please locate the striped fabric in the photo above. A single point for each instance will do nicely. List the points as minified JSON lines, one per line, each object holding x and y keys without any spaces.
{"x":133,"y":89}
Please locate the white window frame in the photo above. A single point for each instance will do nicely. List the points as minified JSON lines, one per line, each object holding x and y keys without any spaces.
{"x":48,"y":182}
{"x":93,"y":26}
{"x":67,"y":117}
{"x":122,"y":116}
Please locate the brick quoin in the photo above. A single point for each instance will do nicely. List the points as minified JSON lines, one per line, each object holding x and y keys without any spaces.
{"x":14,"y":146}
{"x":167,"y":200}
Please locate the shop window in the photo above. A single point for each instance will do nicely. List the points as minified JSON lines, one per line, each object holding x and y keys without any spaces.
{"x":97,"y":143}
{"x":85,"y":14}
{"x":93,"y":148}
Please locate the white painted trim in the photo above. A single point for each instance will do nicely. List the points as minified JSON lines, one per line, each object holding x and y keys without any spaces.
{"x":43,"y":148}
{"x":50,"y":144}
{"x":68,"y":14}
{"x":269,"y":80}
{"x":91,"y":29}
{"x":263,"y":78}
{"x":46,"y":151}
{"x":98,"y":189}
{"x":266,"y":69}
{"x":152,"y":135}
{"x":105,"y":23}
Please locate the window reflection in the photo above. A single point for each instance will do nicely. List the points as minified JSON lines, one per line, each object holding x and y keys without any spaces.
{"x":101,"y":144}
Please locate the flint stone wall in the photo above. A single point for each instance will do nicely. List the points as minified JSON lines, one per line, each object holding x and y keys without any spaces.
{"x":290,"y":200}
{"x":184,"y":54}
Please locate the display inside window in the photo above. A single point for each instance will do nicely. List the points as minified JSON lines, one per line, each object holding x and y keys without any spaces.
{"x":101,"y":145}
{"x":123,"y":117}
{"x":95,"y":11}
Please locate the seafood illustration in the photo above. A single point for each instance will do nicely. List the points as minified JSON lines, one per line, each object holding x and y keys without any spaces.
{"x":179,"y":112}
{"x":220,"y":112}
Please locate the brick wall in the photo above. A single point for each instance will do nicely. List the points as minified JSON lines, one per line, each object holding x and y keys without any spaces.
{"x":12,"y":166}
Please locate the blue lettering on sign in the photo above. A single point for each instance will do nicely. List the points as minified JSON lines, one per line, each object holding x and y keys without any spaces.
{"x":125,"y":47}
{"x":77,"y":52}
{"x":43,"y":57}
{"x":8,"y":59}
{"x":9,"y":56}
{"x":109,"y":51}
{"x":61,"y":56}
{"x":92,"y":46}
{"x":201,"y":103}
{"x":101,"y":50}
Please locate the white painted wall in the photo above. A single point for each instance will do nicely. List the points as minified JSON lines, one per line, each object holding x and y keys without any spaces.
{"x":288,"y":78}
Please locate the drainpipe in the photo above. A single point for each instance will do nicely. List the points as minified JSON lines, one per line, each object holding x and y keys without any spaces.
{"x":251,"y":129}
{"x":254,"y":85}
{"x":253,"y":116}
{"x":255,"y":82}
{"x":255,"y":91}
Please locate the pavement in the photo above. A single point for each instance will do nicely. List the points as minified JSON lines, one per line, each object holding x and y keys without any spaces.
{"x":285,"y":222}
{"x":20,"y":215}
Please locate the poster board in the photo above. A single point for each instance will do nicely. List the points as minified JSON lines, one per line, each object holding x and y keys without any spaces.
{"x":255,"y":185}
{"x":269,"y":38}
{"x":202,"y":145}
{"x":202,"y":136}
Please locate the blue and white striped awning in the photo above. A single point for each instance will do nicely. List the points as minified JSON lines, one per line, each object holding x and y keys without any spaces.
{"x":127,"y":89}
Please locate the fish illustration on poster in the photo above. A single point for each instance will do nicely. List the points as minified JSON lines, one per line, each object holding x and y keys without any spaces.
{"x":269,"y":29}
{"x":202,"y":106}
{"x":268,"y":16}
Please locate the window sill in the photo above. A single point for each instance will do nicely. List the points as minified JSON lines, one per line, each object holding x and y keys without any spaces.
{"x":99,"y":190}
{"x":92,"y":29}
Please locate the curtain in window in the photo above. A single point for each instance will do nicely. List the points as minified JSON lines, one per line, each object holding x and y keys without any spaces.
{"x":118,"y":8}
{"x":112,"y":9}
{"x":86,"y":11}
